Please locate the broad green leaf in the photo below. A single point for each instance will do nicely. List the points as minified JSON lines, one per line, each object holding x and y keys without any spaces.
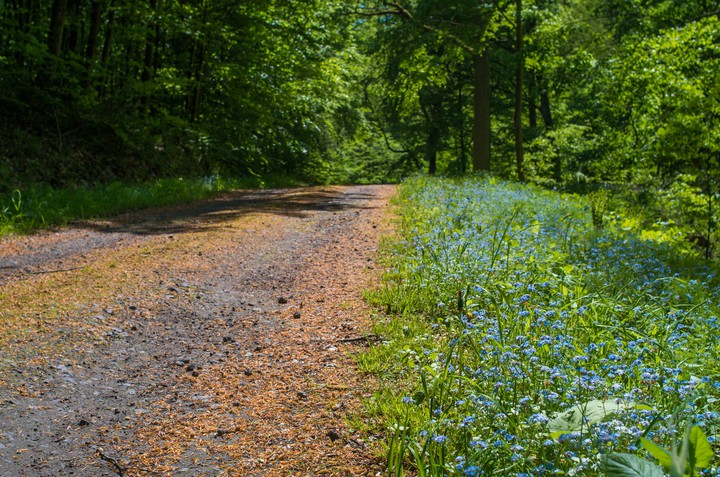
{"x":582,"y":415}
{"x":700,"y":450}
{"x":535,"y":227}
{"x":662,"y":455}
{"x":620,"y":464}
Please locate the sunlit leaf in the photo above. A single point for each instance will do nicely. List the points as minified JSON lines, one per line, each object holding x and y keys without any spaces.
{"x":700,"y":450}
{"x":662,"y":455}
{"x":627,"y":465}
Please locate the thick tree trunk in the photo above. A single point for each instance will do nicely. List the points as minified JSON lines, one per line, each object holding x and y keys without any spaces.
{"x":94,"y":33}
{"x":481,"y":112}
{"x":58,"y":12}
{"x":71,"y":35}
{"x":57,"y":24}
{"x":519,"y":72}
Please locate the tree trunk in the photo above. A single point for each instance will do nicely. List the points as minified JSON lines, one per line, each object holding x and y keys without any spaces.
{"x":481,"y":112}
{"x":95,"y":19}
{"x":431,"y":150}
{"x":71,"y":34}
{"x":57,"y":23}
{"x":149,"y":57}
{"x":197,"y":62}
{"x":92,"y":41}
{"x":546,"y":114}
{"x":427,"y":97}
{"x":545,"y":107}
{"x":195,"y":100}
{"x":461,"y":130}
{"x":519,"y":71}
{"x":532,"y":101}
{"x":18,"y":14}
{"x":107,"y":42}
{"x":105,"y":54}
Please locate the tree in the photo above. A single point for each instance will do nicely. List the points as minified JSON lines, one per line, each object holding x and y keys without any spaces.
{"x":461,"y":28}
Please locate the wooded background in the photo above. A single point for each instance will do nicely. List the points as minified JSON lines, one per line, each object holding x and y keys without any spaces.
{"x":565,"y":93}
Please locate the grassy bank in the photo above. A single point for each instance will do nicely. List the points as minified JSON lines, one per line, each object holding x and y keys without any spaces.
{"x":23,"y":211}
{"x":527,"y":342}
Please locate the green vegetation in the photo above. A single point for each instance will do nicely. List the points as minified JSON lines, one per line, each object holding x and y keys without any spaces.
{"x":521,"y":308}
{"x":579,"y":95}
{"x":526,"y":341}
{"x":40,"y":207}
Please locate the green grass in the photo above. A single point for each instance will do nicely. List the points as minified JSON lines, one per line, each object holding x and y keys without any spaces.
{"x":510,"y":313}
{"x":36,"y":207}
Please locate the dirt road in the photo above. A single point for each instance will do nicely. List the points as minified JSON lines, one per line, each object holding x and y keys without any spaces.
{"x":211,"y":339}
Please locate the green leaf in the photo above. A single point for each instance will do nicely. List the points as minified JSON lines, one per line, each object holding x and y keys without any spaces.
{"x":662,"y":455}
{"x":582,"y":415}
{"x":620,"y":464}
{"x":700,"y":450}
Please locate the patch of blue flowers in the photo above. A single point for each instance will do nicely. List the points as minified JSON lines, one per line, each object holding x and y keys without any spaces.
{"x":535,"y":313}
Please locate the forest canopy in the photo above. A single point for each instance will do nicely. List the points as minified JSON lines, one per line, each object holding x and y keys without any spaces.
{"x":569,"y":94}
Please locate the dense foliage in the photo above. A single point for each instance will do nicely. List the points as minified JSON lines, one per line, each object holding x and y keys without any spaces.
{"x":94,"y":91}
{"x":568,"y":94}
{"x":580,"y":94}
{"x":577,"y":95}
{"x":534,"y":344}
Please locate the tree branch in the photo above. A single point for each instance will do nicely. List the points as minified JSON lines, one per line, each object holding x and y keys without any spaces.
{"x":379,"y":124}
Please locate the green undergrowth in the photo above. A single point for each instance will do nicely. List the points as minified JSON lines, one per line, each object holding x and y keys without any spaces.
{"x":519,"y":339}
{"x":37,"y":207}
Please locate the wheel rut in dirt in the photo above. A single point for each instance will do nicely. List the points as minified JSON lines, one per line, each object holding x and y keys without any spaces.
{"x":197,"y":340}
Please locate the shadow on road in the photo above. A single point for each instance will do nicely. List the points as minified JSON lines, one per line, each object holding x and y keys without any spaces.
{"x":198,"y":216}
{"x":52,"y":251}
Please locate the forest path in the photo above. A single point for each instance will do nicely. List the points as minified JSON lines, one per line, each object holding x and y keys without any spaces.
{"x":197,"y":340}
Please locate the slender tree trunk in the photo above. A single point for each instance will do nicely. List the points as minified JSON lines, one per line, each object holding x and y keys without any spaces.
{"x":431,"y":149}
{"x":195,"y":71}
{"x":481,"y":112}
{"x":17,"y":13}
{"x":196,"y":93}
{"x":532,"y":101}
{"x":105,"y":54}
{"x":189,"y":75}
{"x":148,"y":70}
{"x":545,"y":111}
{"x":107,"y":42}
{"x":432,"y":143}
{"x":461,"y":130}
{"x":27,"y":17}
{"x":519,"y":72}
{"x":92,"y":41}
{"x":546,"y":114}
{"x":149,"y":59}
